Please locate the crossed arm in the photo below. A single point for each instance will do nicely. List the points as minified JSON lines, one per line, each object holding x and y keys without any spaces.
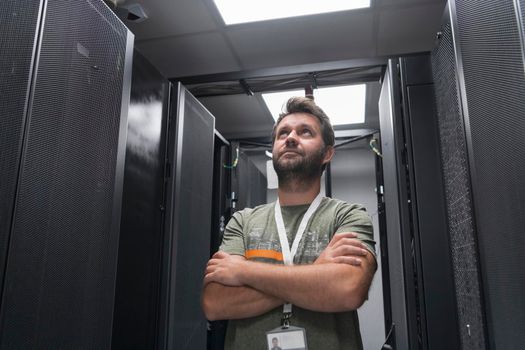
{"x":337,"y":281}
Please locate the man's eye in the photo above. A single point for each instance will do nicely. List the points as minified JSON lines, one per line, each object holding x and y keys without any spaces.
{"x":283,"y":133}
{"x":307,"y":132}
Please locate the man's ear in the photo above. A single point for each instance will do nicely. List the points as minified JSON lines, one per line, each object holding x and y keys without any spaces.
{"x":328,"y":155}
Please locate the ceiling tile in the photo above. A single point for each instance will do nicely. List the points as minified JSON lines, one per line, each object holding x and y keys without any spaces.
{"x":239,"y":115}
{"x":189,"y":55}
{"x":408,"y":30}
{"x":168,"y":18}
{"x":303,"y":40}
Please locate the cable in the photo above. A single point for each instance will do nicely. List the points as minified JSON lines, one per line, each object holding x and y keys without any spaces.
{"x":374,"y":148}
{"x":235,"y":162}
{"x":385,"y":345}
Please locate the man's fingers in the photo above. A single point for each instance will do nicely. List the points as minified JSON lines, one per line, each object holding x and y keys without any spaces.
{"x":346,"y":235}
{"x":338,"y":236}
{"x":219,"y":255}
{"x":209,"y":269}
{"x":212,"y":262}
{"x":349,"y":241}
{"x":350,"y":260}
{"x":208,"y":278}
{"x":349,"y":250}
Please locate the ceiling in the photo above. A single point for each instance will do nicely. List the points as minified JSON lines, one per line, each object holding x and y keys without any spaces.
{"x":187,"y":40}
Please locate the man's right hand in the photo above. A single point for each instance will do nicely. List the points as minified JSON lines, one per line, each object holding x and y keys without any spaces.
{"x":344,"y":248}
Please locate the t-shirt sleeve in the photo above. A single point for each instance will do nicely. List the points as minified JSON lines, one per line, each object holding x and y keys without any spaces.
{"x":354,"y":218}
{"x":233,"y":238}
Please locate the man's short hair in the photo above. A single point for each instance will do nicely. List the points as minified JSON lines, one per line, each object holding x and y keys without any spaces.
{"x":307,"y":105}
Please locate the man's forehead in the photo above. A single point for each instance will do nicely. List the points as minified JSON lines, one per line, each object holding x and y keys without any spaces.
{"x":295,"y":119}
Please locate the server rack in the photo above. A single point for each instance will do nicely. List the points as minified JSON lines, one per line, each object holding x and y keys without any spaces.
{"x":221,"y":214}
{"x":186,"y":246}
{"x":166,"y":226}
{"x":478,"y":67}
{"x":420,"y":285}
{"x":139,"y":269}
{"x":66,"y":68}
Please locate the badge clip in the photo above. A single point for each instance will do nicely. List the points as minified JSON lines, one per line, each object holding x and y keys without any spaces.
{"x":285,"y":321}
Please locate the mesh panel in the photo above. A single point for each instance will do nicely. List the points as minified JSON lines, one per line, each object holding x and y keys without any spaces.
{"x":457,"y":193}
{"x":18,"y":21}
{"x":193,"y":240}
{"x":59,"y":285}
{"x":495,"y":87}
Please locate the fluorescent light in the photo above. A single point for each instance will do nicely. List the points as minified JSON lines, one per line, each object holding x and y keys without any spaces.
{"x":235,"y":11}
{"x":275,"y":101}
{"x":343,"y":104}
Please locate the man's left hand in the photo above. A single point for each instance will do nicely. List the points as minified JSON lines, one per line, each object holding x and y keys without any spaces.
{"x":344,"y":248}
{"x":223,"y":268}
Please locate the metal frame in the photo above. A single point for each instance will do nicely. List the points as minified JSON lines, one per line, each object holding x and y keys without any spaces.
{"x":121,"y":147}
{"x":519,"y":19}
{"x":168,"y":197}
{"x":175,"y":131}
{"x":287,"y":70}
{"x":400,"y":267}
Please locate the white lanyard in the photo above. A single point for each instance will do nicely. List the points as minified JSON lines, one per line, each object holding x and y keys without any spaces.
{"x":288,"y":255}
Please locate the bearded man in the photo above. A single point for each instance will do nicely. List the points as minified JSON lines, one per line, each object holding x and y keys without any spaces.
{"x":299,"y":268}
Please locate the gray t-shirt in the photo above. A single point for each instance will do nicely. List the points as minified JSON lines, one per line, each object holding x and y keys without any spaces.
{"x":252,"y":233}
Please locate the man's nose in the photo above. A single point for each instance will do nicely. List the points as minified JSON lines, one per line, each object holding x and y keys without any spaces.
{"x":291,"y":139}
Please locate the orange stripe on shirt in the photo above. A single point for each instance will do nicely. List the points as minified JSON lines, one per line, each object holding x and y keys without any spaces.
{"x":264,"y":253}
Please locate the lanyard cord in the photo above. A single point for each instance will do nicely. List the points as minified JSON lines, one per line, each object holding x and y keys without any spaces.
{"x":289,"y":254}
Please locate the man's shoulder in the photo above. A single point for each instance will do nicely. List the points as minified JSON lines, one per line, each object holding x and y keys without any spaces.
{"x":337,"y":204}
{"x":263,"y":209}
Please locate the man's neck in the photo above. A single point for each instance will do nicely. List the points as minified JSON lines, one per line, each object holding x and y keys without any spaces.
{"x":297,"y":194}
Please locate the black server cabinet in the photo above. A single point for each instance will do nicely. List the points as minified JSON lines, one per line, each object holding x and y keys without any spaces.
{"x":478,"y":67}
{"x":221,"y":209}
{"x":65,"y":77}
{"x":135,"y":324}
{"x":430,"y":241}
{"x":399,"y":260}
{"x":166,"y":216}
{"x":221,"y":214}
{"x":420,"y":290}
{"x":186,"y":246}
{"x":249,"y":185}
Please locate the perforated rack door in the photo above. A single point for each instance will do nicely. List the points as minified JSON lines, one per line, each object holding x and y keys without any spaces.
{"x":18,"y":29}
{"x":59,"y":284}
{"x":491,"y":45}
{"x":461,"y":226}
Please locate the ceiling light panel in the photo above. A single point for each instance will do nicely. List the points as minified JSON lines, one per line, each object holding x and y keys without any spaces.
{"x":234,"y":11}
{"x":275,"y":101}
{"x":343,"y":104}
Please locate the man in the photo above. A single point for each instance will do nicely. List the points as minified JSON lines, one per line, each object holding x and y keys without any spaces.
{"x":275,"y":344}
{"x":324,"y":276}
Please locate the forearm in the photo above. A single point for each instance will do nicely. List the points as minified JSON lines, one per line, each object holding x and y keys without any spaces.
{"x":222,"y":302}
{"x":324,"y":287}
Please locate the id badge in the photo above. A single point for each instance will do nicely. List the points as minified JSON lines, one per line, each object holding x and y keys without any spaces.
{"x":291,"y":338}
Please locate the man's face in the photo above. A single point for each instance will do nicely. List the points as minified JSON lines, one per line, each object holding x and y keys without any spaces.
{"x":299,"y":147}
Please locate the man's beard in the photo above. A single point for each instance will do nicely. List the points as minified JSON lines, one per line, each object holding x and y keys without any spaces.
{"x":300,"y":171}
